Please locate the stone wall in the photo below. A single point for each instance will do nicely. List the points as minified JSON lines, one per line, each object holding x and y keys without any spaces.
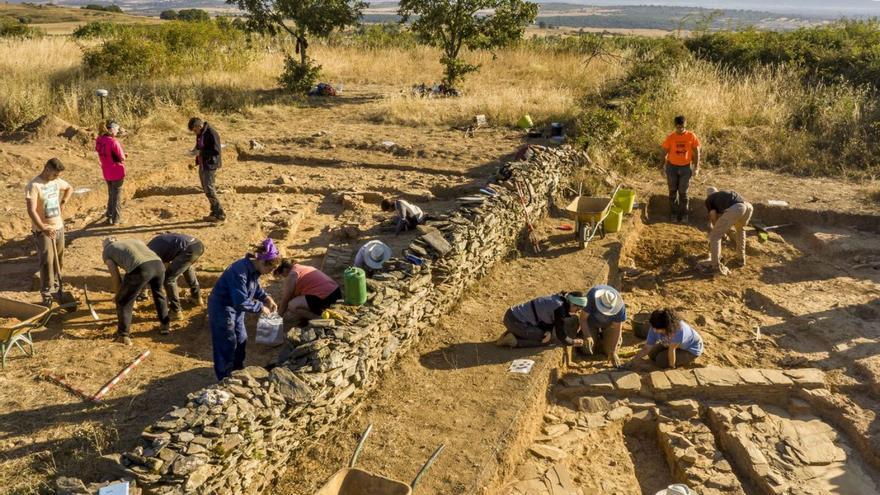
{"x":237,"y":437}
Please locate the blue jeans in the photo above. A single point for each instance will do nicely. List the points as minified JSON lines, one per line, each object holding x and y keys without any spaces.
{"x":678,"y":178}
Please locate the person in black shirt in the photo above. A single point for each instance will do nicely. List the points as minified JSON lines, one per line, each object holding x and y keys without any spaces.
{"x":179,"y":251}
{"x":544,"y":319}
{"x":208,"y":159}
{"x":727,"y":210}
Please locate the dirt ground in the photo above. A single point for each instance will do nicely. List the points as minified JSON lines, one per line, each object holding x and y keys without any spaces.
{"x":800,"y":288}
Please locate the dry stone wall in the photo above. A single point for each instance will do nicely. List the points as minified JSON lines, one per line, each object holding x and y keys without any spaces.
{"x":237,"y":437}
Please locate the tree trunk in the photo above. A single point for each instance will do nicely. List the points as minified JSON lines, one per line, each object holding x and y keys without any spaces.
{"x":303,"y":45}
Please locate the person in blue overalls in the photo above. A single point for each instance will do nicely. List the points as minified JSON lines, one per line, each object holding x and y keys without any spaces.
{"x":238,"y":292}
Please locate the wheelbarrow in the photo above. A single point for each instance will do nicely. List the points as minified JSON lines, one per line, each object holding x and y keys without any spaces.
{"x":17,"y":322}
{"x":354,"y":481}
{"x":589,"y":216}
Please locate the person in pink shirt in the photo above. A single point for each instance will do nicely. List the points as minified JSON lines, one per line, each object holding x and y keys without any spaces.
{"x":307,"y":291}
{"x":112,"y":158}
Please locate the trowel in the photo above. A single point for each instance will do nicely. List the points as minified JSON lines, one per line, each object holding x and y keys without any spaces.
{"x":764,"y":231}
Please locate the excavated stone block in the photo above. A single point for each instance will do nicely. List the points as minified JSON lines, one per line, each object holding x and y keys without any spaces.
{"x":682,"y":378}
{"x":752,"y":376}
{"x":807,"y":377}
{"x":777,"y":377}
{"x":659,"y":381}
{"x":713,"y":376}
{"x":627,"y":381}
{"x":593,"y":404}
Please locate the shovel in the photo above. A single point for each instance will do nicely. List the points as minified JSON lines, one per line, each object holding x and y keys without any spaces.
{"x":764,"y":231}
{"x":89,"y":303}
{"x":65,"y":298}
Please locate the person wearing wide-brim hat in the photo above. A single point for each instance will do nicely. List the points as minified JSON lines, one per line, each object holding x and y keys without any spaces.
{"x":372,"y":256}
{"x":544,"y":321}
{"x":676,"y":489}
{"x":602,"y":321}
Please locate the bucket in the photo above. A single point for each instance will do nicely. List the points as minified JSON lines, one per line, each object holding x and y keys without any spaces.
{"x":555,"y":129}
{"x":614,"y":220}
{"x":354,"y":283}
{"x":624,"y":199}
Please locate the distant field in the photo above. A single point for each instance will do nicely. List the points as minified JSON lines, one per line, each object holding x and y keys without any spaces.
{"x":57,"y":20}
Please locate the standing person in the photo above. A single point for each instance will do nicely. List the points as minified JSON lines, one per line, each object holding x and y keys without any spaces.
{"x":112,"y":158}
{"x":408,"y":214}
{"x":307,"y":291}
{"x":543,"y":320}
{"x":180,"y":251}
{"x":238,"y":292}
{"x":45,"y":196}
{"x":603,"y":320}
{"x":681,"y":155}
{"x":671,"y":342}
{"x":727,"y":210}
{"x":142,"y":268}
{"x":208,"y":160}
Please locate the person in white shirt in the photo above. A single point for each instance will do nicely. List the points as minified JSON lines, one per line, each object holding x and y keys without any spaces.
{"x":46,"y":195}
{"x":408,"y":214}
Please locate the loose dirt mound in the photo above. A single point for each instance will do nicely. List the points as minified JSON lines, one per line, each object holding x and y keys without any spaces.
{"x":50,"y":126}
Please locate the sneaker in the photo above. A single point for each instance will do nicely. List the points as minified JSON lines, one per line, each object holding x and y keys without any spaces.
{"x":175,"y":315}
{"x":122,"y":339}
{"x":165,"y":329}
{"x":506,"y":340}
{"x":723,"y":270}
{"x":47,"y":301}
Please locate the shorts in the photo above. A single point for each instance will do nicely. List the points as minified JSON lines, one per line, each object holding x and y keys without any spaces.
{"x":317,"y":305}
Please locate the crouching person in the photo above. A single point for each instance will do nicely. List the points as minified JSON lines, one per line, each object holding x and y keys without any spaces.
{"x":671,"y":342}
{"x":407,"y":215}
{"x":602,"y":322}
{"x":307,"y":291}
{"x":179,"y":251}
{"x":544,"y":321}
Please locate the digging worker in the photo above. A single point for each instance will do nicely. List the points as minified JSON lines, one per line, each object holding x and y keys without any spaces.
{"x":307,"y":291}
{"x":602,"y":321}
{"x":671,"y":342}
{"x":543,"y":320}
{"x":112,"y":158}
{"x":408,"y":214}
{"x":237,"y":292}
{"x":727,"y":210}
{"x":142,"y":268}
{"x":208,"y":160}
{"x":681,"y":155}
{"x":179,"y":252}
{"x":45,"y":196}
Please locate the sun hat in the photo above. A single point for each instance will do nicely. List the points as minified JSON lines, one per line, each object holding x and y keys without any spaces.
{"x":376,"y":253}
{"x":608,"y":301}
{"x":676,"y":489}
{"x":270,"y":252}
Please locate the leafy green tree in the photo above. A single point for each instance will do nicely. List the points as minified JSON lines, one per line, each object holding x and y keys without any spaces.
{"x":475,"y":24}
{"x":168,"y":15}
{"x":193,"y":15}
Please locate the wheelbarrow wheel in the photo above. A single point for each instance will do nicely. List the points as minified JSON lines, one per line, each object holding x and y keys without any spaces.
{"x":580,"y":234}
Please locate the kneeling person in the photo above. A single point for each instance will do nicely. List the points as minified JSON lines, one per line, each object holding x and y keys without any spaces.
{"x":602,"y":321}
{"x":142,"y":268}
{"x":408,"y":215}
{"x":307,"y":291}
{"x":539,"y":321}
{"x":180,"y":251}
{"x":671,"y":342}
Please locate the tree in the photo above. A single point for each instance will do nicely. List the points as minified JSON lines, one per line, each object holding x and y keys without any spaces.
{"x":193,"y":15}
{"x":302,"y":19}
{"x":168,"y":15}
{"x":476,"y":24}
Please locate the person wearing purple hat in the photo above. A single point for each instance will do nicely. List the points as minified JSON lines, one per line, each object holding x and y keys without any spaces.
{"x":237,"y":292}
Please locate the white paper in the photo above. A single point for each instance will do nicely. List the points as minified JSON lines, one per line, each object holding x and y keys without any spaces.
{"x":777,"y":202}
{"x":81,"y":190}
{"x":523,"y":366}
{"x":120,"y":488}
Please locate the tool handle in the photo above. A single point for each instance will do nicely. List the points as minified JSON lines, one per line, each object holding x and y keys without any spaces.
{"x":428,"y":463}
{"x":360,"y":446}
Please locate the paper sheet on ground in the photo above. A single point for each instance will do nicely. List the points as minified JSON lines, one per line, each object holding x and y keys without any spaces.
{"x":523,"y":366}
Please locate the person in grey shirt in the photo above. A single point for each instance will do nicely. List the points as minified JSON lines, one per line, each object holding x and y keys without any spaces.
{"x":543,"y":320}
{"x":142,"y":268}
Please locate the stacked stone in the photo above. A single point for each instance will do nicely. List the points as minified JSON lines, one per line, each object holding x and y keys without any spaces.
{"x":238,"y":436}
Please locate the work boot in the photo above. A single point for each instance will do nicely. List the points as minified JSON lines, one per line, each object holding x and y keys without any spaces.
{"x":122,"y":339}
{"x":47,"y":301}
{"x":165,"y":329}
{"x":196,"y":300}
{"x":175,"y":315}
{"x":506,"y":340}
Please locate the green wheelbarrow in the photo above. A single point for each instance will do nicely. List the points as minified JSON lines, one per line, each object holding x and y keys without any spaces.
{"x":354,"y":481}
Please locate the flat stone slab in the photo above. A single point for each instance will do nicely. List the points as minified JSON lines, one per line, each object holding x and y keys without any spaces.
{"x":712,"y":376}
{"x":548,"y":452}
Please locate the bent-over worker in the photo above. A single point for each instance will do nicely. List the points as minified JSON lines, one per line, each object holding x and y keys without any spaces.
{"x":45,"y":196}
{"x":142,"y":268}
{"x":307,"y":291}
{"x":180,"y":251}
{"x":544,"y":320}
{"x":237,"y":292}
{"x":727,"y":210}
{"x":671,"y":342}
{"x":408,"y":214}
{"x":602,"y":322}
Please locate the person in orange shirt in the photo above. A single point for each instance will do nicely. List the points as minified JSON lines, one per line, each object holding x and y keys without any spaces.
{"x":681,"y":155}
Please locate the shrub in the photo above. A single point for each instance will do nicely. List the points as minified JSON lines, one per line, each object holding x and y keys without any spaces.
{"x":103,"y":8}
{"x":97,"y":29}
{"x":168,"y":15}
{"x":375,"y":36}
{"x":193,"y":15}
{"x":168,"y":49}
{"x":298,"y":77}
{"x":12,"y":28}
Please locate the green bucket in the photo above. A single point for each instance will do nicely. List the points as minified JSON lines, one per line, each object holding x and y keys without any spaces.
{"x":354,"y":284}
{"x":614,"y":220}
{"x":624,"y":199}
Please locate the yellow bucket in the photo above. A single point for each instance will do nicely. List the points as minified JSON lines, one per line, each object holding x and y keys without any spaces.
{"x":614,"y":220}
{"x":624,"y":199}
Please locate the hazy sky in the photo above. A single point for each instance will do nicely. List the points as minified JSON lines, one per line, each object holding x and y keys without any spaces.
{"x":823,"y":7}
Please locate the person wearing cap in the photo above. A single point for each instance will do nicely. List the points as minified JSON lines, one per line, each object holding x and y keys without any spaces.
{"x":676,"y":489}
{"x":179,"y":251}
{"x":237,"y":292}
{"x":112,"y":158}
{"x":45,"y":196}
{"x":602,"y":320}
{"x":408,"y":214}
{"x":372,"y":256}
{"x":142,"y":268}
{"x":307,"y":291}
{"x":727,"y":209}
{"x":681,"y":155}
{"x":671,"y":342}
{"x":543,"y":321}
{"x":208,"y":159}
